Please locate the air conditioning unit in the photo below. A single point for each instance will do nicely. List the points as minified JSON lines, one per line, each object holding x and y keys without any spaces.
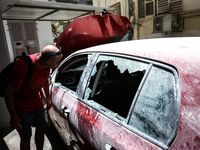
{"x":164,"y":23}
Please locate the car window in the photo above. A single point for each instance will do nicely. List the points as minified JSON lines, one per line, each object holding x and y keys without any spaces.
{"x":114,"y":82}
{"x":155,"y":112}
{"x":70,"y":72}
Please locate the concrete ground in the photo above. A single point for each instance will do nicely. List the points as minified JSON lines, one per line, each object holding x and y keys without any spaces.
{"x":9,"y":140}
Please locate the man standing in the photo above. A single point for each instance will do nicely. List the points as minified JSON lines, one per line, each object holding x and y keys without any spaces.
{"x":24,"y":103}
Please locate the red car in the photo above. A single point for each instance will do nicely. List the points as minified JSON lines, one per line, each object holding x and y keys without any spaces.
{"x":94,"y":30}
{"x":130,"y":95}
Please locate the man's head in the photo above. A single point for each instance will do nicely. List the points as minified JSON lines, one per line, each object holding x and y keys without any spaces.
{"x":51,"y":56}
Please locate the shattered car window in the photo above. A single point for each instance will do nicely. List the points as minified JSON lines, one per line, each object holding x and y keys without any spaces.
{"x":114,"y":82}
{"x":70,"y":73}
{"x":155,"y":112}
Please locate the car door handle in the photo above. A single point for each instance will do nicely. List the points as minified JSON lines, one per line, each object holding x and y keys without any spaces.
{"x":109,"y":147}
{"x":65,"y":110}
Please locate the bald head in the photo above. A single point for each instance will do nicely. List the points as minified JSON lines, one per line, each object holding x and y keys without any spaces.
{"x":50,"y":57}
{"x":49,"y":50}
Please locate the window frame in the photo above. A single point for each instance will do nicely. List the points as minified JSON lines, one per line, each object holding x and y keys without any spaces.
{"x":120,"y":120}
{"x":63,"y":65}
{"x":177,"y":99}
{"x":142,"y":8}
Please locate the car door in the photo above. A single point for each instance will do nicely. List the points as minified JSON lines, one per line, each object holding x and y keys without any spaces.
{"x":65,"y":82}
{"x":118,"y":112}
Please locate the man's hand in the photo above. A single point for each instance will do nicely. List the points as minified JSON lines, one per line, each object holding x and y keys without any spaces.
{"x":14,"y":122}
{"x":48,"y":104}
{"x":48,"y":99}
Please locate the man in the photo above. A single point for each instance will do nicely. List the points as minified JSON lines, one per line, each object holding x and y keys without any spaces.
{"x":23,"y":100}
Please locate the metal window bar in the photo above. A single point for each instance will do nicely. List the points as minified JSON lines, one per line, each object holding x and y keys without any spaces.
{"x":141,"y":9}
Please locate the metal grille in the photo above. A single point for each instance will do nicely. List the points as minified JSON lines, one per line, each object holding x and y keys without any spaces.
{"x":163,"y":7}
{"x":149,"y":8}
{"x":29,"y":30}
{"x":141,"y":11}
{"x":175,"y":6}
{"x":16,"y":31}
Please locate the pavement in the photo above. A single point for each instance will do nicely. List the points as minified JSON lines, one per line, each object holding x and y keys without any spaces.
{"x":9,"y":140}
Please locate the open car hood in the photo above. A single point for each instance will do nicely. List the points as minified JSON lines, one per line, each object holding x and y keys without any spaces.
{"x":94,"y":30}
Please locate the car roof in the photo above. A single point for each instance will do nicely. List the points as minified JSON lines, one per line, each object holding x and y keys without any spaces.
{"x":174,"y":51}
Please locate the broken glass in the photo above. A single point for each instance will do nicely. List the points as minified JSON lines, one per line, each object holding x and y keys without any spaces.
{"x":114,"y":82}
{"x":155,"y":112}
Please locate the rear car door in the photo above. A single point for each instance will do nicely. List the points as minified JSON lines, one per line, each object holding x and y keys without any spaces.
{"x":128,"y":103}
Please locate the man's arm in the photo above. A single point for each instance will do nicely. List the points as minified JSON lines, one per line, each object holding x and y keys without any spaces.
{"x":8,"y":95}
{"x":48,"y":98}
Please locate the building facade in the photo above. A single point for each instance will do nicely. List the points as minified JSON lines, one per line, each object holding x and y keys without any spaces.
{"x":159,"y":18}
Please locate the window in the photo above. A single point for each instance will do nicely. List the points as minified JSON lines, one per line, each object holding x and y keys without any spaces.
{"x":145,"y":8}
{"x":143,"y":94}
{"x":164,"y":5}
{"x":70,"y":73}
{"x":155,"y":112}
{"x":141,"y":9}
{"x":114,"y":82}
{"x":158,"y":7}
{"x":149,"y":8}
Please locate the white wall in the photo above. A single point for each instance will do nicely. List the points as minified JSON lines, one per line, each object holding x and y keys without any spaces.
{"x":8,"y":39}
{"x":44,"y":33}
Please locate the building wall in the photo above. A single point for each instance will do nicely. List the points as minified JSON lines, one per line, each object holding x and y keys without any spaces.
{"x":44,"y":33}
{"x":110,"y":3}
{"x":8,"y":40}
{"x":191,"y":5}
{"x":188,"y":19}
